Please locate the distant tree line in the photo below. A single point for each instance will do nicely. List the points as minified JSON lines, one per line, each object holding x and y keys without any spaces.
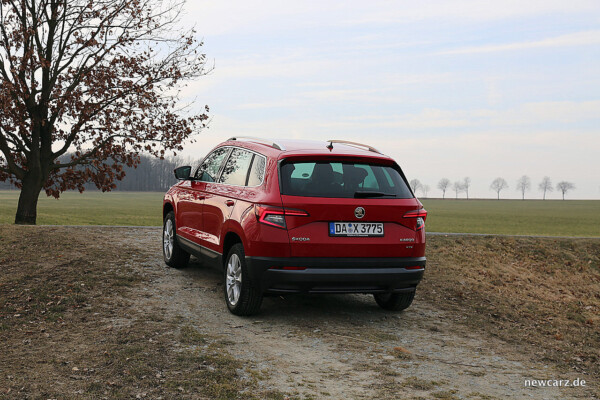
{"x":498,"y":185}
{"x":156,"y":175}
{"x":151,"y":175}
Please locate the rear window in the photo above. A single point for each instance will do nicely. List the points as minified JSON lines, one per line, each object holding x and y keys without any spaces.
{"x":342,"y":180}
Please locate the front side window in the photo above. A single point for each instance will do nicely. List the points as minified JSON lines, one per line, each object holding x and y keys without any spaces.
{"x":209,"y":169}
{"x":342,"y":180}
{"x":236,"y":168}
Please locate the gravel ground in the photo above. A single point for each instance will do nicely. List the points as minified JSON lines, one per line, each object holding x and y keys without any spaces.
{"x":344,"y":346}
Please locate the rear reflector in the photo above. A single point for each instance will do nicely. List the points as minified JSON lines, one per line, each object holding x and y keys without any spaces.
{"x":415,"y":267}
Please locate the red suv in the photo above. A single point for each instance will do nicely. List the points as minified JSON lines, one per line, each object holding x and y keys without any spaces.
{"x":298,"y":217}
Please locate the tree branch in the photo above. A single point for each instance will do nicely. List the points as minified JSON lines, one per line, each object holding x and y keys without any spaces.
{"x":87,"y":155}
{"x":12,"y":166}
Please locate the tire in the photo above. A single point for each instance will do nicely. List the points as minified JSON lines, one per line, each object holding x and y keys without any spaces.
{"x":242,"y":295}
{"x":394,"y":301}
{"x":174,"y":255}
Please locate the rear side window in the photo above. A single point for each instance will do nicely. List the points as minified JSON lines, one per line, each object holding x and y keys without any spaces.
{"x":342,"y":180}
{"x":236,"y":168}
{"x":257,"y":172}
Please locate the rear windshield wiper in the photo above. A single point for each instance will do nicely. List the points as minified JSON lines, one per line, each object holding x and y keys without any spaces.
{"x":359,"y":194}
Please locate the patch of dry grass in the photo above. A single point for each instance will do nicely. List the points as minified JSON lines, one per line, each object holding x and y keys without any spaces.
{"x":69,"y":329}
{"x":540,"y":293}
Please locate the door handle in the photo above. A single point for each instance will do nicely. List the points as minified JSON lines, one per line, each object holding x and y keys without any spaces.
{"x":229,"y":203}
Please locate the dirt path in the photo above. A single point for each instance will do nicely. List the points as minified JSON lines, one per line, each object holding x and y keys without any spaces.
{"x":343,"y":347}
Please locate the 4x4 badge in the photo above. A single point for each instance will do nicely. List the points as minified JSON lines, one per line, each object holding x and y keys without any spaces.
{"x":359,"y":212}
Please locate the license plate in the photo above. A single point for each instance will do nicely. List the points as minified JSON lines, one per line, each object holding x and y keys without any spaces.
{"x":355,"y":229}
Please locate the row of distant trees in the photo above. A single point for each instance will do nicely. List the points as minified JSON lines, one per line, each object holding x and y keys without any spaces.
{"x":151,"y":175}
{"x":498,"y":185}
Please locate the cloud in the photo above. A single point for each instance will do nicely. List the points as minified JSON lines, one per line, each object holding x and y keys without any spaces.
{"x":287,"y":66}
{"x":568,"y":40}
{"x":250,"y":16}
{"x":549,"y":111}
{"x":426,"y":119}
{"x":378,"y":12}
{"x":285,"y":103}
{"x":532,"y":115}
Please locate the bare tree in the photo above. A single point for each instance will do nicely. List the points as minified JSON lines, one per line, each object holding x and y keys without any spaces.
{"x":415,"y":185}
{"x":96,"y":80}
{"x":498,"y":185}
{"x":545,"y":186}
{"x":443,"y":185}
{"x":425,"y":189}
{"x":457,"y":187}
{"x":564,"y":187}
{"x":523,"y":185}
{"x":466,"y":185}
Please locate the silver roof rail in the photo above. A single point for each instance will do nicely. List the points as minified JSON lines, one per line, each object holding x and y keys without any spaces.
{"x":366,"y":146}
{"x":259,"y":140}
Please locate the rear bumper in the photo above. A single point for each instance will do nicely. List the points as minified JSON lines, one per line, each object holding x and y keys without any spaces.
{"x":336,"y":275}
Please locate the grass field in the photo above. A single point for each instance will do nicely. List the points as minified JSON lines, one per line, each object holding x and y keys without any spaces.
{"x":510,"y":217}
{"x":90,"y":208}
{"x":515,"y":217}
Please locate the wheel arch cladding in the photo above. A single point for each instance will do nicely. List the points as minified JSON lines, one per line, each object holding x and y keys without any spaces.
{"x":231,"y":238}
{"x":167,"y":208}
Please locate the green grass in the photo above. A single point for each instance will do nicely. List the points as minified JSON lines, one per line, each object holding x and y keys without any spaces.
{"x":515,"y":217}
{"x":90,"y":208}
{"x":510,"y":217}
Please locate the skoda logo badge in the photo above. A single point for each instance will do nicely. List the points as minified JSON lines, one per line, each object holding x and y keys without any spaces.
{"x":359,"y":212}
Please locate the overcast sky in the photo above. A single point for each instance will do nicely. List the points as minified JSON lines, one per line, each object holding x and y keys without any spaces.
{"x":478,"y":88}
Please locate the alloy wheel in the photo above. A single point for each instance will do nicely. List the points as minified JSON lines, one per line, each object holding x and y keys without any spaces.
{"x":234,"y":279}
{"x":168,"y":239}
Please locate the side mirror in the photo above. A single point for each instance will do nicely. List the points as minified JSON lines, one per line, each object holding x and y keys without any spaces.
{"x":183,"y":173}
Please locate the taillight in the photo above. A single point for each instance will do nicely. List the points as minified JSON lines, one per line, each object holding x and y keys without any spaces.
{"x":275,"y":216}
{"x":270,"y":216}
{"x":420,"y":217}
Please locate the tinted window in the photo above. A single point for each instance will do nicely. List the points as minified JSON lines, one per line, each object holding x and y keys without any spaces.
{"x":236,"y":168}
{"x":211,"y":165}
{"x":345,"y":180}
{"x":257,"y":172}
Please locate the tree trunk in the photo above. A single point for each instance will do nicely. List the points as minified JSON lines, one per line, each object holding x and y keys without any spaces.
{"x":28,"y":200}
